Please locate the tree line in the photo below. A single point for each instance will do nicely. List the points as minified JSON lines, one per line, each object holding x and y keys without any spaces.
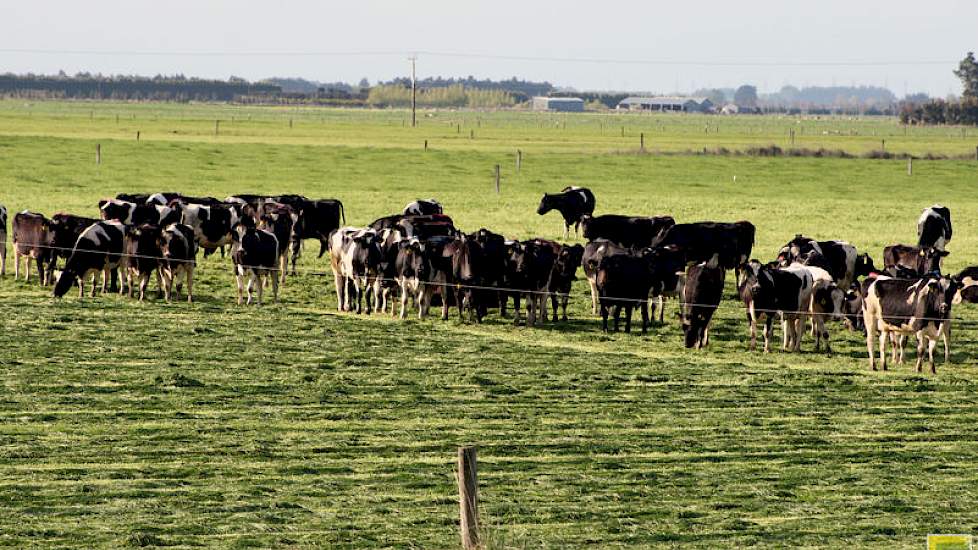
{"x":158,"y":88}
{"x":948,"y":111}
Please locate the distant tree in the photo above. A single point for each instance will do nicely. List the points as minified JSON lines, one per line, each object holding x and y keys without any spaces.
{"x":715,"y":95}
{"x":919,"y":97}
{"x":364,"y":83}
{"x":967,"y":71}
{"x":746,"y":96}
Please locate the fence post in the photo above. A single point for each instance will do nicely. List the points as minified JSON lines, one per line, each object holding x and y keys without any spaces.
{"x":468,"y":497}
{"x":519,"y":160}
{"x":137,"y":135}
{"x":497,"y":179}
{"x":98,"y":153}
{"x":883,"y":145}
{"x":471,"y":134}
{"x":217,"y":127}
{"x":290,"y":124}
{"x":622,"y":131}
{"x":641,"y":141}
{"x":909,"y":166}
{"x":425,"y":145}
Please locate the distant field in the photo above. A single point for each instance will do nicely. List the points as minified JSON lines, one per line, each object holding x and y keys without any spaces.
{"x":292,"y":425}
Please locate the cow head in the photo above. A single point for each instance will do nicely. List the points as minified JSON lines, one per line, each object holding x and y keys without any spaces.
{"x":864,"y":265}
{"x":931,"y":259}
{"x":586,"y":220}
{"x":794,"y":248}
{"x":754,"y":275}
{"x":547,"y":203}
{"x":568,"y":260}
{"x":943,"y":291}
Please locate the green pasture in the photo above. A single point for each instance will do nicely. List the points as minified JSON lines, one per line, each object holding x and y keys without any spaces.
{"x":293,"y":425}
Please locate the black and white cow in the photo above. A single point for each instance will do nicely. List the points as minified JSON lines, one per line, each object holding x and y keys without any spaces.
{"x":839,"y":258}
{"x":3,"y":241}
{"x":440,"y":274}
{"x":65,"y":230}
{"x":423,"y":207}
{"x":426,"y":227}
{"x":161,"y":199}
{"x":254,"y":253}
{"x":624,"y":282}
{"x":213,"y":225}
{"x":573,"y":203}
{"x":32,"y":239}
{"x":411,"y":271}
{"x":594,"y":252}
{"x":768,"y":292}
{"x":967,"y":281}
{"x":827,"y":303}
{"x":131,"y":213}
{"x":98,"y":250}
{"x":355,"y":256}
{"x":539,"y":257}
{"x":179,"y":258}
{"x":279,"y":219}
{"x":732,"y":243}
{"x":627,"y":231}
{"x":934,"y":227}
{"x":920,"y":307}
{"x":562,"y":277}
{"x":141,"y":253}
{"x":701,"y":298}
{"x":913,"y":258}
{"x":668,"y":265}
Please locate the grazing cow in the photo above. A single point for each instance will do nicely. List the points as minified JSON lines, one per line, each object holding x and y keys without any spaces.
{"x":3,"y":240}
{"x":131,"y":213}
{"x":141,"y":253}
{"x":179,"y":258}
{"x":32,"y":239}
{"x":426,"y":227}
{"x":423,"y":207}
{"x":668,"y":274}
{"x":839,"y":258}
{"x":934,"y":227}
{"x":279,"y":219}
{"x":732,"y":243}
{"x":967,"y":281}
{"x":920,"y":307}
{"x":65,"y":230}
{"x":918,"y":260}
{"x":701,"y":298}
{"x":768,"y":291}
{"x":573,"y":203}
{"x":213,"y":225}
{"x":594,"y":252}
{"x":98,"y":250}
{"x":627,"y":231}
{"x":355,"y":256}
{"x":562,"y":277}
{"x":254,"y":253}
{"x":623,"y":281}
{"x":317,"y":219}
{"x":411,"y":272}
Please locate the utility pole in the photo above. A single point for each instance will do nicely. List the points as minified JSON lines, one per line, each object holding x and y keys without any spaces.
{"x":414,"y":91}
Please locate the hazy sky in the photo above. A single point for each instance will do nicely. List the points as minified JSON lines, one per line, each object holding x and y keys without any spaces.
{"x":706,"y":43}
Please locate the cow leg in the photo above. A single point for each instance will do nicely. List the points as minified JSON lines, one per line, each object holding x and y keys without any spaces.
{"x":617,"y":316}
{"x":338,"y":284}
{"x":553,"y":304}
{"x":250,"y":284}
{"x":884,"y":336}
{"x":531,"y":314}
{"x":662,"y":308}
{"x":768,"y":333}
{"x":628,"y":317}
{"x":566,"y":230}
{"x":444,"y":302}
{"x":594,"y":296}
{"x":704,"y":336}
{"x":190,"y":284}
{"x":920,"y":352}
{"x":283,"y":266}
{"x":931,"y":344}
{"x":563,"y":306}
{"x":516,"y":308}
{"x":753,"y":332}
{"x":16,"y":264}
{"x":3,"y":259}
{"x":604,"y":317}
{"x":143,"y":283}
{"x":785,"y":333}
{"x":238,"y":279}
{"x":296,"y":246}
{"x":645,"y":317}
{"x":404,"y":298}
{"x":275,"y":284}
{"x":871,"y":343}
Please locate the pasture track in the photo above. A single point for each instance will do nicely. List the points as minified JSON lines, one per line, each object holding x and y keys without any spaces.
{"x":292,"y":425}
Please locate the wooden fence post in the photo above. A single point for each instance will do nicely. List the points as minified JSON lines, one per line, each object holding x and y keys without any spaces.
{"x":217,"y":127}
{"x":641,"y":141}
{"x":471,"y":134}
{"x":425,"y":145}
{"x":98,"y":153}
{"x":519,"y":160}
{"x":883,"y":145}
{"x":290,"y":124}
{"x":468,"y":497}
{"x":622,"y":131}
{"x":137,"y":135}
{"x":909,"y":166}
{"x":497,"y":179}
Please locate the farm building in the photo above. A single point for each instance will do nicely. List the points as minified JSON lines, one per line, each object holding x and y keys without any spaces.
{"x":667,"y":103}
{"x":565,"y":104}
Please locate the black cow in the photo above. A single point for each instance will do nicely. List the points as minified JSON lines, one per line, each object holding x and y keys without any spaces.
{"x":493,"y":270}
{"x":411,"y":271}
{"x":920,"y":307}
{"x":32,"y":239}
{"x":768,"y":291}
{"x":317,"y":219}
{"x":839,"y":258}
{"x":98,"y":250}
{"x":423,"y":207}
{"x":387,"y":222}
{"x":934,"y":227}
{"x":732,"y":243}
{"x":624,"y":281}
{"x":668,"y":265}
{"x":594,"y":251}
{"x":440,"y":274}
{"x":562,"y":277}
{"x":3,"y":240}
{"x":918,"y":260}
{"x":539,"y":257}
{"x":179,"y":258}
{"x":141,"y":253}
{"x":701,"y":297}
{"x":468,"y":260}
{"x":254,"y":253}
{"x":65,"y":230}
{"x":572,"y":202}
{"x":627,"y":231}
{"x":279,"y":219}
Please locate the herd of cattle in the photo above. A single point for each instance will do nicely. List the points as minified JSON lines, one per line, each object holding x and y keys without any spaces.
{"x":419,"y":259}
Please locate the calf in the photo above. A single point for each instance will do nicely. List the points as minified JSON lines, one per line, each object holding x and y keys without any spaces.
{"x":65,"y":230}
{"x":423,"y":207}
{"x":701,"y":298}
{"x":627,"y":231}
{"x":573,"y":203}
{"x":920,"y":307}
{"x":279,"y":219}
{"x":839,"y":258}
{"x":3,"y":240}
{"x":98,"y":250}
{"x":768,"y":291}
{"x":179,"y":258}
{"x":594,"y":252}
{"x":254,"y":253}
{"x":934,"y":227}
{"x":32,"y":239}
{"x":624,"y":281}
{"x":354,"y":258}
{"x":141,"y":253}
{"x":732,"y":243}
{"x":918,"y":260}
{"x":562,"y":276}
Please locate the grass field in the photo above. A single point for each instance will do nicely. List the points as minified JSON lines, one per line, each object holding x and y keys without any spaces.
{"x":293,"y":425}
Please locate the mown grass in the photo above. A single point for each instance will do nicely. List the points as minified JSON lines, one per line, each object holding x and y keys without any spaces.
{"x":292,"y":425}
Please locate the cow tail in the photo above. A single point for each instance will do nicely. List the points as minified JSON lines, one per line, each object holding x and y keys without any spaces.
{"x":342,"y":214}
